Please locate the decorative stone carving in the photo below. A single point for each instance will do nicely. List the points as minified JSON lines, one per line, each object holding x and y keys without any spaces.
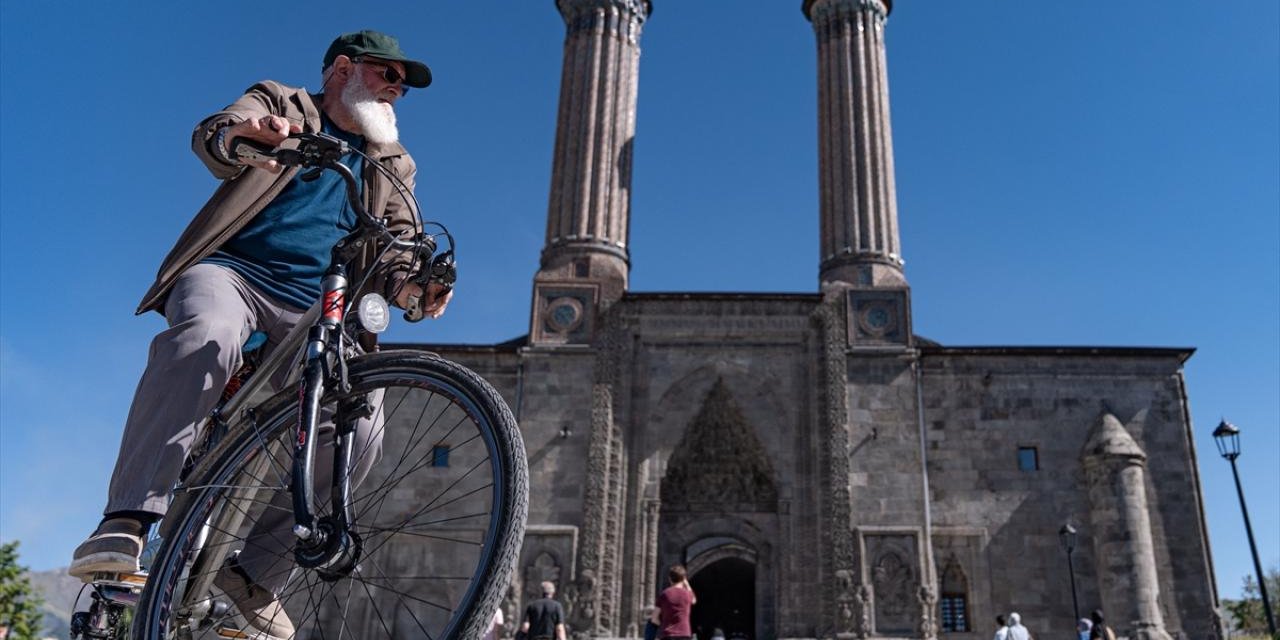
{"x":865,"y":603}
{"x":564,"y":312}
{"x":511,"y":613}
{"x":891,"y":577}
{"x":719,"y":463}
{"x":618,"y":18}
{"x":834,"y":452}
{"x":544,"y":568}
{"x":819,"y":9}
{"x":599,"y":572}
{"x":928,"y":605}
{"x":580,"y":605}
{"x":879,"y":317}
{"x":895,"y":580}
{"x":846,"y":599}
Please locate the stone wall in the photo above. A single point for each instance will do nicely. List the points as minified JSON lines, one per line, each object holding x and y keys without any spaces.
{"x":620,"y":406}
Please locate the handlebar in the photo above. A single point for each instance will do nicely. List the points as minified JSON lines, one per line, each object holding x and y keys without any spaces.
{"x":320,"y":151}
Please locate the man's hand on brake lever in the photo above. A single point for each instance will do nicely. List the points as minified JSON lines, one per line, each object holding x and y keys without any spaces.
{"x":433,"y":303}
{"x":271,"y":130}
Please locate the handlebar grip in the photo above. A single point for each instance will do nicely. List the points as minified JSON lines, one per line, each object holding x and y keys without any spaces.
{"x":243,"y":149}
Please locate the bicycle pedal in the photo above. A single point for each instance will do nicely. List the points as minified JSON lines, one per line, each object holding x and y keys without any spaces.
{"x":127,"y":581}
{"x":237,"y":634}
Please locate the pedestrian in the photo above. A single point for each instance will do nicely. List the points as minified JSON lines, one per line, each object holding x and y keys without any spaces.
{"x":1016,"y":630}
{"x":1083,"y":628}
{"x":1002,"y":628}
{"x":1100,"y":630}
{"x":544,"y":617}
{"x":650,"y":627}
{"x":675,"y":604}
{"x":495,"y":627}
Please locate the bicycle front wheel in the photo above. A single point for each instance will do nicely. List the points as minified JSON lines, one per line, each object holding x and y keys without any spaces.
{"x":438,"y":517}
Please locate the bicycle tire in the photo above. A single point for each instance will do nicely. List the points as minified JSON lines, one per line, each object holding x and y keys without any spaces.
{"x":419,"y":382}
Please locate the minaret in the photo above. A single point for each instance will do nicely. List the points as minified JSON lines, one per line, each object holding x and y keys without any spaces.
{"x":585,"y":260}
{"x":859,"y":248}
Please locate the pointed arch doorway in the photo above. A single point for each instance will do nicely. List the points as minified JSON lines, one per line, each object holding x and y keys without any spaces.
{"x":719,"y":518}
{"x":726,"y":590}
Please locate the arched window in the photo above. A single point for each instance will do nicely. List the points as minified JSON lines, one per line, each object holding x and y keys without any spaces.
{"x":953,"y":603}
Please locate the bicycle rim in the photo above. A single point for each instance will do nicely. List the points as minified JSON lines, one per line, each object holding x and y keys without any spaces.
{"x":438,"y":520}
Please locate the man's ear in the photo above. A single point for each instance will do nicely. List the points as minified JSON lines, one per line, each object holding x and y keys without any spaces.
{"x":342,"y":66}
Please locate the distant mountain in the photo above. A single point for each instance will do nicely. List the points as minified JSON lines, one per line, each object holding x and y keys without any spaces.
{"x":59,"y":591}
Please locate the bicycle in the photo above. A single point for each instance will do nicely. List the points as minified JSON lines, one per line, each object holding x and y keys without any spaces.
{"x":423,"y":546}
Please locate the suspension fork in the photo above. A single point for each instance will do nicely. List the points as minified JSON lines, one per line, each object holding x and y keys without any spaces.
{"x":321,"y":356}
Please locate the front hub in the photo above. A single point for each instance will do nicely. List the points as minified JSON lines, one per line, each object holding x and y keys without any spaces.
{"x":331,"y":550}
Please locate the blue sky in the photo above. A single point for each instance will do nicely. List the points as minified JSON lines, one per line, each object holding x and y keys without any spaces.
{"x":1068,"y":174}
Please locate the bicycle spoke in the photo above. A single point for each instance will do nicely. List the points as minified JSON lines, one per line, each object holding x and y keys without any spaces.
{"x":435,"y":544}
{"x":381,"y":489}
{"x":365,"y":585}
{"x":428,"y":536}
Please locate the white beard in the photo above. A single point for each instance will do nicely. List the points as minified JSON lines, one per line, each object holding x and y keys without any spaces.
{"x":377,"y":120}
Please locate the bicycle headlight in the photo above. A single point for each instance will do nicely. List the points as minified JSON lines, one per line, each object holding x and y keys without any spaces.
{"x":374,"y":313}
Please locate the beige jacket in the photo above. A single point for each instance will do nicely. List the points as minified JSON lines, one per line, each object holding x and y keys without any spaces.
{"x":245,"y":190}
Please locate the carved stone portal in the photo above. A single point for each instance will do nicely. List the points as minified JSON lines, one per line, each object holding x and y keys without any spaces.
{"x":719,"y":464}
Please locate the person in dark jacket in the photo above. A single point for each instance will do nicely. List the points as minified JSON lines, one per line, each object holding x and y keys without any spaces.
{"x":1100,"y":630}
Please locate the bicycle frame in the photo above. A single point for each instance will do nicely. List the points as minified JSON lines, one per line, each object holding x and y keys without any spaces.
{"x":325,"y":544}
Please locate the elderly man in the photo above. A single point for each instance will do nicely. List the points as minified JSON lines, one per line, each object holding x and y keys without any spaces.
{"x":251,"y":261}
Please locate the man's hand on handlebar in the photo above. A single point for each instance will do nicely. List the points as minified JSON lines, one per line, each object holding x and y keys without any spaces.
{"x":433,"y":303}
{"x":270,"y":130}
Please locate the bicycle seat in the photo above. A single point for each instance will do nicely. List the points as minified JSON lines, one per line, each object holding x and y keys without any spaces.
{"x":256,"y":340}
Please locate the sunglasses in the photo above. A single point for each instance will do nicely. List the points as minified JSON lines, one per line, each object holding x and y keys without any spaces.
{"x":389,"y":73}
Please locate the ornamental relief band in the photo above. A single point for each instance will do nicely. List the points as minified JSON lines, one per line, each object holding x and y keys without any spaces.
{"x":618,"y":17}
{"x":828,"y":9}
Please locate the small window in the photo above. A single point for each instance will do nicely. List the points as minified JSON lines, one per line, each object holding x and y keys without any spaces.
{"x":440,"y":455}
{"x":581,"y":268}
{"x":953,"y":606}
{"x":955,"y":614}
{"x":1028,"y":459}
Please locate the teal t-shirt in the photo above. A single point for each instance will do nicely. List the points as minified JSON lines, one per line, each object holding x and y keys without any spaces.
{"x":285,"y":249}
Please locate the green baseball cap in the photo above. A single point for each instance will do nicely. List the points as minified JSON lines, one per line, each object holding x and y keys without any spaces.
{"x":378,"y":45}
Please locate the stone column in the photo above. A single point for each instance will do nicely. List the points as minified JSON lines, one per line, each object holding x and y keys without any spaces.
{"x":859,"y":209}
{"x":1115,"y":469}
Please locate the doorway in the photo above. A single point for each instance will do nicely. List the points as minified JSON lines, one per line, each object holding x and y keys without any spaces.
{"x":726,"y":591}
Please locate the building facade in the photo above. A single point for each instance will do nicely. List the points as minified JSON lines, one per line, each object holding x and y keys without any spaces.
{"x":822,"y":471}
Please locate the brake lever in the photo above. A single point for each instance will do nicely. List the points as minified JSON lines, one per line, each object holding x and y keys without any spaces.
{"x":443,"y":271}
{"x":244,"y":150}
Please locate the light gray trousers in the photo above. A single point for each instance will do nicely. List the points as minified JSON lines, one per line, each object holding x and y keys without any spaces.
{"x":211,"y":312}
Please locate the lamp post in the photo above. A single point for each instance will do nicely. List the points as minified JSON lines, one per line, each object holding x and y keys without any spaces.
{"x":1227,"y":437}
{"x":1067,"y":536}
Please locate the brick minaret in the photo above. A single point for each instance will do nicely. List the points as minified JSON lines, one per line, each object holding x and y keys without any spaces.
{"x":859,"y":208}
{"x":585,"y":260}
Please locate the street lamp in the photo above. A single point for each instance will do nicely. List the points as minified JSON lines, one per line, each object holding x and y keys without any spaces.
{"x":1227,"y":437}
{"x":1067,"y":536}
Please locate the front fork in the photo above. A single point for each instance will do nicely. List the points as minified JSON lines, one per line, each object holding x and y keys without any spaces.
{"x":326,"y":544}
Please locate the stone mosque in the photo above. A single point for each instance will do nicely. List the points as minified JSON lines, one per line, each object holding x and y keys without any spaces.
{"x":822,"y":471}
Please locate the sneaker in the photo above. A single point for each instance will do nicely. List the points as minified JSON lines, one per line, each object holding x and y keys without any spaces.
{"x":259,"y":607}
{"x":113,"y":548}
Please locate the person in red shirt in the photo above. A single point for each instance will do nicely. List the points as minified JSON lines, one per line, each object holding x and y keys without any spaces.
{"x":674,"y":606}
